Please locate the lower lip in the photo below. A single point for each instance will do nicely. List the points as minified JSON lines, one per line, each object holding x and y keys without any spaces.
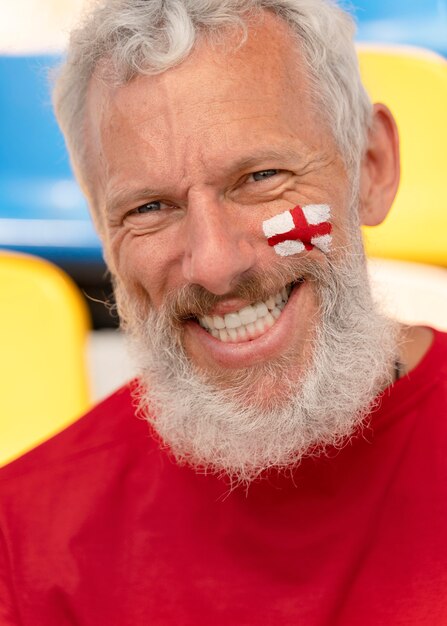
{"x":241,"y":354}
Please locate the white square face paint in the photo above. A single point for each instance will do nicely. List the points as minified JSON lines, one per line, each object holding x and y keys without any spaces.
{"x":301,"y":228}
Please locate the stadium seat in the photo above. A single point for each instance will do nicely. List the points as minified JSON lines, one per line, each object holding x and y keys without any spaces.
{"x":412,"y":22}
{"x":43,"y":333}
{"x":413,"y":84}
{"x":42,"y":210}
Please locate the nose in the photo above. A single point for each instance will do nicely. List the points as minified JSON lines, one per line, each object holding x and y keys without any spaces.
{"x":217,"y":247}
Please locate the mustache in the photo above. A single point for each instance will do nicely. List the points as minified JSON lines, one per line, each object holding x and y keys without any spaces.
{"x":191,"y":301}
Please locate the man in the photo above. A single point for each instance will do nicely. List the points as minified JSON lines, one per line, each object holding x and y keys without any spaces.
{"x":294,"y":471}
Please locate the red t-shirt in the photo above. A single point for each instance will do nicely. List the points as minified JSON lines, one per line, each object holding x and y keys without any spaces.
{"x":101,"y":528}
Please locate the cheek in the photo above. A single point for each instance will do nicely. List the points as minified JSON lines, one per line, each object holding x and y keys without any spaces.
{"x":144,"y":264}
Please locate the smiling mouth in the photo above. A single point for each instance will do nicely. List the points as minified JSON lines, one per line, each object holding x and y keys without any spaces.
{"x":249,"y":322}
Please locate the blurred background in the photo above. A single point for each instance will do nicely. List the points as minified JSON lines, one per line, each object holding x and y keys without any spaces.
{"x":43,"y":213}
{"x":41,"y":208}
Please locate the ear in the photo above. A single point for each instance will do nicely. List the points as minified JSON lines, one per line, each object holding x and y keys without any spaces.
{"x":380,"y":169}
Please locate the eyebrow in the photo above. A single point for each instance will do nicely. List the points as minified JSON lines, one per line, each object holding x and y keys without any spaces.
{"x":125,"y":196}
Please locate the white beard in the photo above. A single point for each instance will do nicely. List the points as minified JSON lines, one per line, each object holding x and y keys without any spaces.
{"x":227,"y":429}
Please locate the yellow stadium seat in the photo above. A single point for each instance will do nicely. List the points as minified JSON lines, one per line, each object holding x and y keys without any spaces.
{"x":43,"y":333}
{"x":413,"y":84}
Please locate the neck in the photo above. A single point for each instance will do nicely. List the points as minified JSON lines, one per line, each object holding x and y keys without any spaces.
{"x":414,"y":343}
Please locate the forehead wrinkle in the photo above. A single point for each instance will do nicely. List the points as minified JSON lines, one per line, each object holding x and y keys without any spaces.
{"x":182,"y":116}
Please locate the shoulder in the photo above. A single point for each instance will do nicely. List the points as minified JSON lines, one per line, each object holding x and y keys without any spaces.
{"x":58,"y":499}
{"x":440,"y":342}
{"x":112,"y":423}
{"x":428,"y":348}
{"x":434,"y":362}
{"x":423,"y":389}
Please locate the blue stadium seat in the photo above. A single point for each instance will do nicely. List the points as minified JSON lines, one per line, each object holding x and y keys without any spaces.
{"x":42,"y":210}
{"x":413,"y":22}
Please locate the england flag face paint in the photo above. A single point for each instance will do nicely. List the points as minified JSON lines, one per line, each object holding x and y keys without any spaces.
{"x":299,"y":229}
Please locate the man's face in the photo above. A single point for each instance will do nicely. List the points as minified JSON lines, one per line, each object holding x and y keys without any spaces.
{"x":188,"y":165}
{"x":191,"y":162}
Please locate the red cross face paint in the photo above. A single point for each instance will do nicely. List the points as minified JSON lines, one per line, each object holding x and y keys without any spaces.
{"x":299,"y":229}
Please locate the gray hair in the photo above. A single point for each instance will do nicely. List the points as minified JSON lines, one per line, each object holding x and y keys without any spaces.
{"x":151,"y":36}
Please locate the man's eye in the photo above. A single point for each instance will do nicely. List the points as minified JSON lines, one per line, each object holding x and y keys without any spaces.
{"x":262,"y":175}
{"x":148,"y":207}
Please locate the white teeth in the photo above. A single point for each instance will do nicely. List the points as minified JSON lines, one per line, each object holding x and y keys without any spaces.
{"x":218,"y":322}
{"x":276,"y":312}
{"x":251,"y":330}
{"x":208,"y":321}
{"x":242,"y":333}
{"x":223,"y":335}
{"x":261,"y":309}
{"x":270,"y":302}
{"x":232,"y":320}
{"x":259,"y":324}
{"x":232,"y":332}
{"x":249,"y":322}
{"x":247,"y":315}
{"x":269,"y":320}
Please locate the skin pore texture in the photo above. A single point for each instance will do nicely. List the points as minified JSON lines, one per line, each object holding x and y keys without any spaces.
{"x":246,"y":357}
